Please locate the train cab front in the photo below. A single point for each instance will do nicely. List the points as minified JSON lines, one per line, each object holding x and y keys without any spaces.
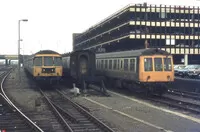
{"x":49,"y":69}
{"x":156,"y":70}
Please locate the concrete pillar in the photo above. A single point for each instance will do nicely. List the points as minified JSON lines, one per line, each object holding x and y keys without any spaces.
{"x":9,"y":62}
{"x":185,"y":59}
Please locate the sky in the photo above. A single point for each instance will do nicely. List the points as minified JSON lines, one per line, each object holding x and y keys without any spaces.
{"x":51,"y":22}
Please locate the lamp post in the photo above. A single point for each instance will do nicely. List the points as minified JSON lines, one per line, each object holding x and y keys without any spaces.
{"x":24,"y":20}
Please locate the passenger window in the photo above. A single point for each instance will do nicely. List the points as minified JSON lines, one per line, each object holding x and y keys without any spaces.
{"x":98,"y":64}
{"x":167,"y":64}
{"x":125,"y":64}
{"x":110,"y":64}
{"x":121,"y":64}
{"x":132,"y":64}
{"x":158,"y":64}
{"x":102,"y":64}
{"x":148,"y":64}
{"x":115,"y":65}
{"x":106,"y":64}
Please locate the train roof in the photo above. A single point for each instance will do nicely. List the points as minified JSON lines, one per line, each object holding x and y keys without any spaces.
{"x":78,"y":51}
{"x":140,"y":52}
{"x":46,"y":52}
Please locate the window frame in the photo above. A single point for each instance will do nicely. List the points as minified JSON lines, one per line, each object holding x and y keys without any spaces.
{"x":156,"y":63}
{"x":102,"y":64}
{"x":126,"y":65}
{"x":57,"y":58}
{"x":151,"y":64}
{"x":110,"y":64}
{"x":134,"y":64}
{"x":115,"y":64}
{"x":106,"y":64}
{"x":168,"y":64}
{"x":41,"y":60}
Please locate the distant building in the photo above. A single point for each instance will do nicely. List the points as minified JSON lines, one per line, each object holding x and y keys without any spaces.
{"x":171,"y":28}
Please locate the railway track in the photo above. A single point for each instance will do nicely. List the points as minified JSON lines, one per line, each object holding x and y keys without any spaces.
{"x":9,"y":119}
{"x":183,"y":104}
{"x":12,"y":119}
{"x":177,"y":103}
{"x":191,"y":95}
{"x":73,"y":116}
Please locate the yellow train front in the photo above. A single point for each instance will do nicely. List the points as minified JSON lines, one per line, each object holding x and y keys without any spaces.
{"x":45,"y":66}
{"x":150,"y":69}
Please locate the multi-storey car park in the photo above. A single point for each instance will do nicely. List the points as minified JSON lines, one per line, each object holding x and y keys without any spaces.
{"x":171,"y":28}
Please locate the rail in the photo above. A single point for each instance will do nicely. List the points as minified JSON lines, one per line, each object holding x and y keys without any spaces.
{"x":22,"y":115}
{"x":86,"y":113}
{"x":184,"y":94}
{"x":182,"y":105}
{"x":57,"y":113}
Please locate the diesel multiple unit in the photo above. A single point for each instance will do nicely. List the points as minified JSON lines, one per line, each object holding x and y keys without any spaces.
{"x":150,"y":68}
{"x":44,"y":65}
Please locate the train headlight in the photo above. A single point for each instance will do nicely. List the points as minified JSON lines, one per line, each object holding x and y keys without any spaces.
{"x":148,"y":78}
{"x":168,"y":78}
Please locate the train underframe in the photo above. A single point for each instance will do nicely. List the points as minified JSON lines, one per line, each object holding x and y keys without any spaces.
{"x":84,"y":83}
{"x":48,"y":79}
{"x":148,"y":88}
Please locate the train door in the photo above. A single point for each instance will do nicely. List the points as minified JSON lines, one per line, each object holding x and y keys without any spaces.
{"x":83,"y":65}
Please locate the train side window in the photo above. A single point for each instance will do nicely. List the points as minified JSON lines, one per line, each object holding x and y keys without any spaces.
{"x":110,"y":64}
{"x":148,"y":64}
{"x":97,"y":64}
{"x":102,"y":64}
{"x":132,"y":64}
{"x":167,"y":64}
{"x":125,"y":64}
{"x":121,"y":64}
{"x":158,"y":64}
{"x":115,"y":65}
{"x":106,"y":64}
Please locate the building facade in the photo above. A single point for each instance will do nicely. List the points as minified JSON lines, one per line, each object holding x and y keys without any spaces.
{"x":171,"y":28}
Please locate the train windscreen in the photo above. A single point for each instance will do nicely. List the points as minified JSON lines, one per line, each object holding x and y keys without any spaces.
{"x":148,"y":64}
{"x":57,"y":61}
{"x":37,"y":61}
{"x":167,"y":64}
{"x":48,"y":61}
{"x":158,"y":66}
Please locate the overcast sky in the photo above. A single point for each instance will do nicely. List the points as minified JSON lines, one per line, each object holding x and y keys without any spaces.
{"x":51,"y":22}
